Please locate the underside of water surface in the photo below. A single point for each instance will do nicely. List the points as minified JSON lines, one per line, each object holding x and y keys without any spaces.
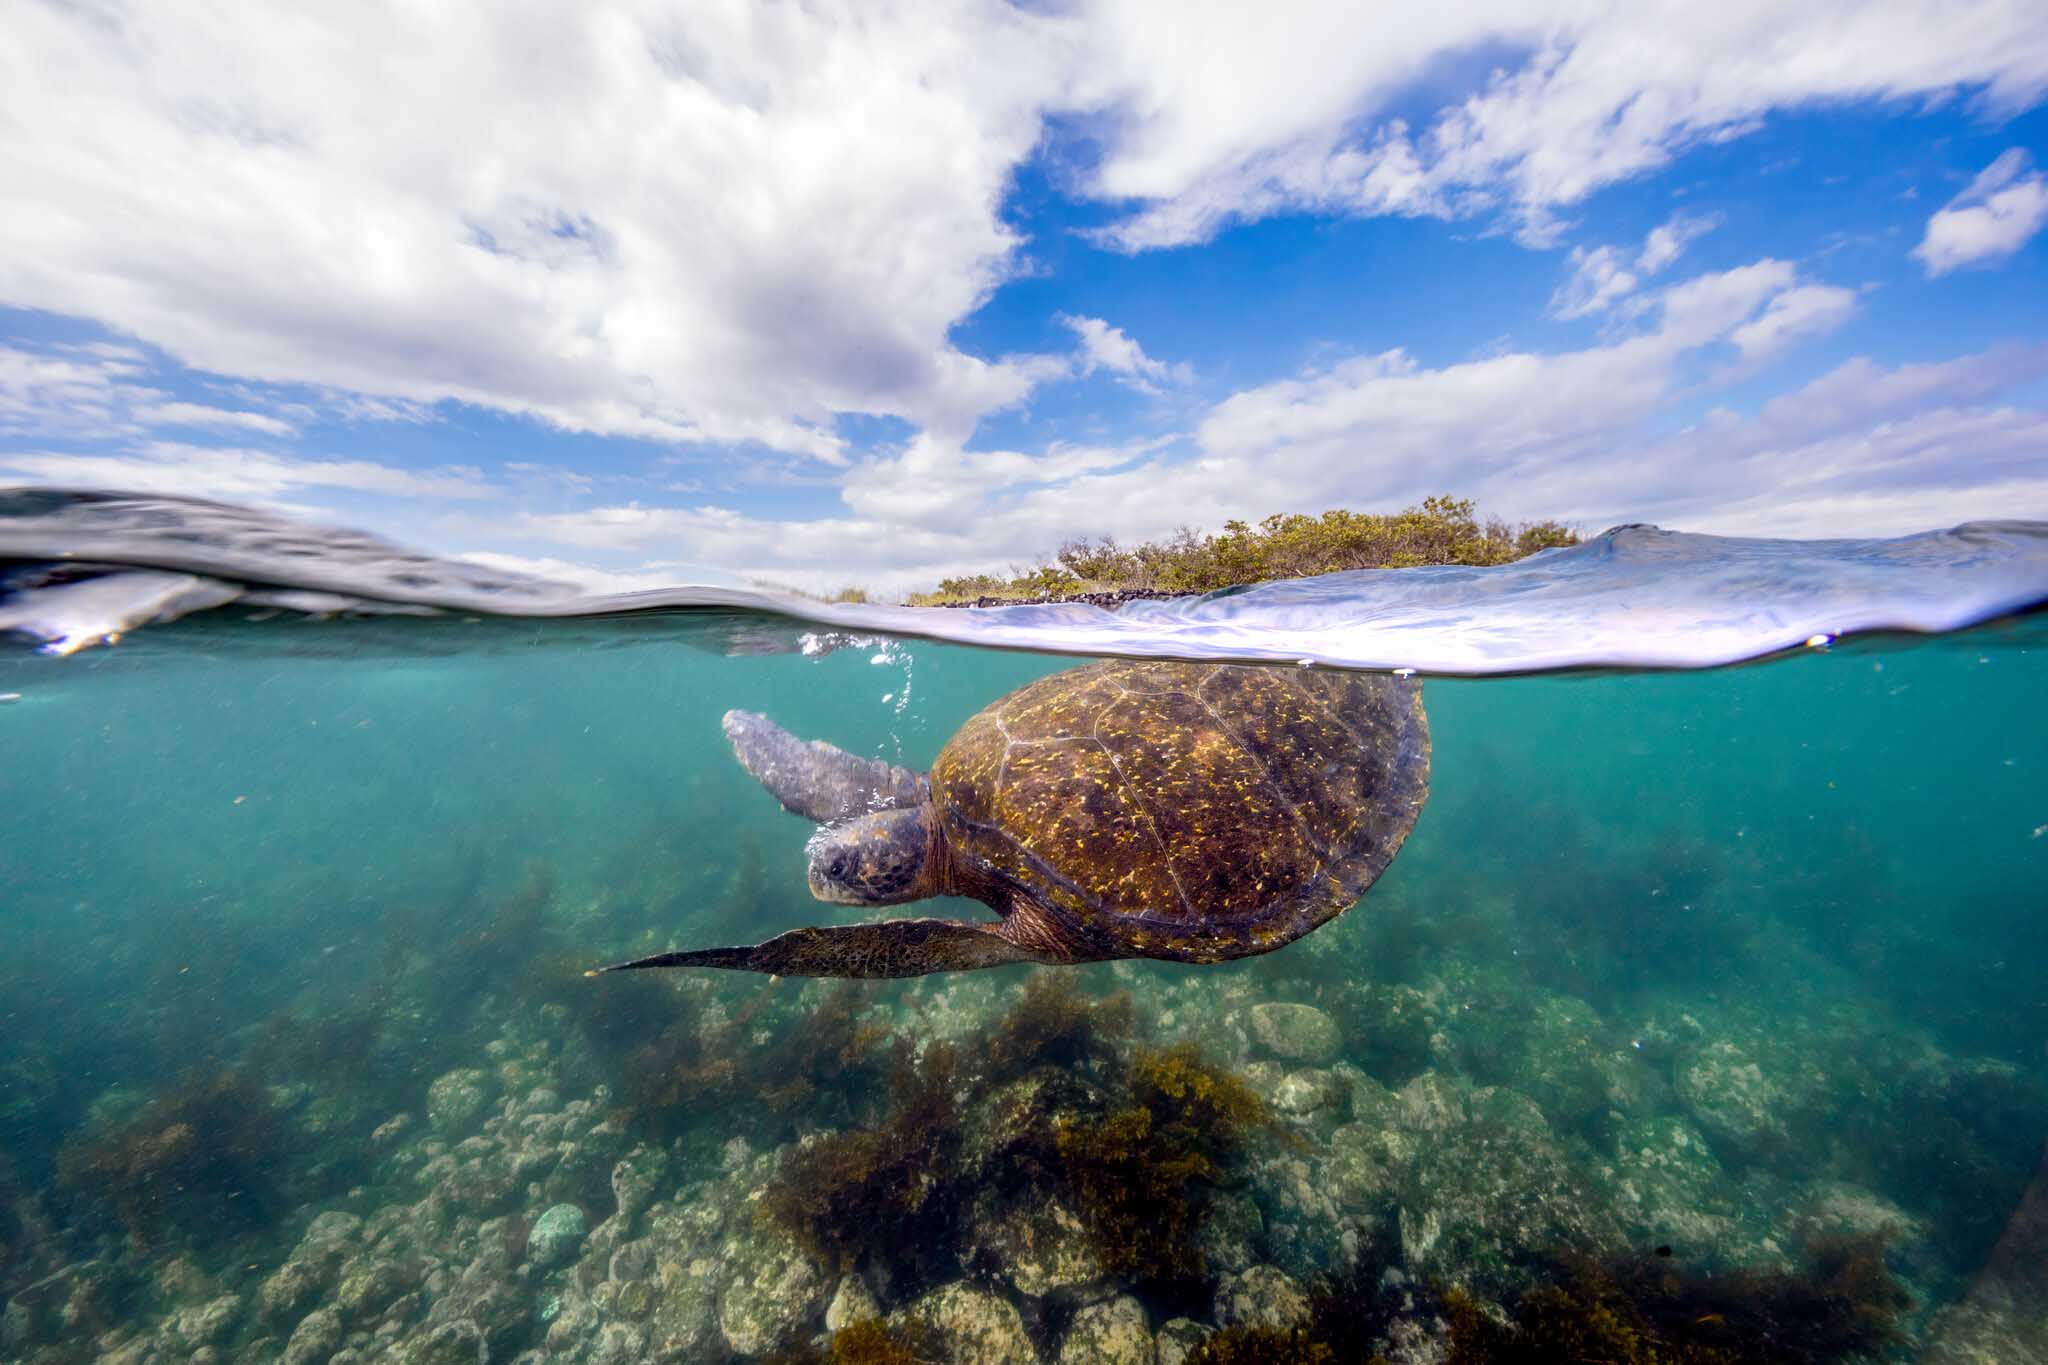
{"x":1701,"y":1018}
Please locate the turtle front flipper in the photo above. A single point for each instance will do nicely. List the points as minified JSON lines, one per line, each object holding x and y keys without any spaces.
{"x":812,"y":778}
{"x":891,"y":948}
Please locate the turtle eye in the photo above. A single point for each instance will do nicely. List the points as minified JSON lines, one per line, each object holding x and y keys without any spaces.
{"x":837,"y":867}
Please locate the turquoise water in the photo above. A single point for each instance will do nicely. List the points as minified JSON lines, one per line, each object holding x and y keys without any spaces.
{"x":1718,"y":970}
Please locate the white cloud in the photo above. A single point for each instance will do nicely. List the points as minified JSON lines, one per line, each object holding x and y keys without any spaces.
{"x":1598,"y":279}
{"x":1227,"y":113}
{"x":248,"y":475}
{"x":1996,"y":216}
{"x":589,"y":577}
{"x":199,"y":415}
{"x":1565,"y":434}
{"x":1603,"y":276}
{"x":735,"y":224}
{"x":1668,"y":240}
{"x":1104,"y":347}
{"x":707,"y":222}
{"x":1809,"y":310}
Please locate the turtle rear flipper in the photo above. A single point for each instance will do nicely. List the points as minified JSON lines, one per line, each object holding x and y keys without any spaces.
{"x":891,"y":948}
{"x":815,"y":780}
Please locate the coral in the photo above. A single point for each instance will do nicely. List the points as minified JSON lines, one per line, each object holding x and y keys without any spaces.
{"x":197,"y":1161}
{"x":1244,"y":1345}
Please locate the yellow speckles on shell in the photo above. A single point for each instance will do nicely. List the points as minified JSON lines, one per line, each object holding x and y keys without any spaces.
{"x":1194,"y":810}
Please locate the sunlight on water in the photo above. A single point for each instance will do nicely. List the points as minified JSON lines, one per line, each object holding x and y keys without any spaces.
{"x":1714,"y":997}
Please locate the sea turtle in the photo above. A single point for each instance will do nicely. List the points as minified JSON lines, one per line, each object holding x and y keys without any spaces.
{"x":1187,"y":812}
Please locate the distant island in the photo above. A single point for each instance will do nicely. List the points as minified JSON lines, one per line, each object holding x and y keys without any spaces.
{"x":1441,"y":530}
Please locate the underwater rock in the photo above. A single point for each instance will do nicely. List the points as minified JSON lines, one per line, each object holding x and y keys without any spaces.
{"x":481,"y":1185}
{"x":1231,"y":1234}
{"x":584,"y":1173}
{"x":317,"y":1337}
{"x":974,"y":1324}
{"x":1841,"y":1211}
{"x":1553,"y":1057}
{"x":283,"y":1296}
{"x":1043,"y":1249}
{"x":1729,"y":1096}
{"x":1665,"y":1186}
{"x":1112,"y":1333}
{"x":684,"y":1323}
{"x":773,"y":1286}
{"x":1177,"y":1338}
{"x":368,"y":1285}
{"x":1323,"y":1207}
{"x":455,"y":1099}
{"x":573,"y":1322}
{"x":1296,"y":1033}
{"x":180,"y":1280}
{"x":206,"y":1324}
{"x":851,"y":1303}
{"x":1263,"y":1296}
{"x":1301,"y":1094}
{"x":618,"y":1343}
{"x":1416,"y":1341}
{"x":637,"y":1178}
{"x":632,"y":1260}
{"x":481,"y":1298}
{"x":555,"y":1236}
{"x":1485,"y":1187}
{"x":1391,"y":1027}
{"x":455,"y":1342}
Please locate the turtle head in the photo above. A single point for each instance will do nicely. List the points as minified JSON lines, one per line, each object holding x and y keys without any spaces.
{"x":885,"y":858}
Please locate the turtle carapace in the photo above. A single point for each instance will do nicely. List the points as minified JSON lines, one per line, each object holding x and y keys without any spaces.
{"x":1186,"y":812}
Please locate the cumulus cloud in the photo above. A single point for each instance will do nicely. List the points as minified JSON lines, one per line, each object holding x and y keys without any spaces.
{"x":232,"y":473}
{"x":1104,"y":347}
{"x":1669,"y":239}
{"x":699,"y":223}
{"x":737,"y":224}
{"x":1536,"y":434}
{"x":1603,"y":276}
{"x":1599,"y":278}
{"x":1241,"y":112}
{"x":2001,"y":210}
{"x":1809,"y":310}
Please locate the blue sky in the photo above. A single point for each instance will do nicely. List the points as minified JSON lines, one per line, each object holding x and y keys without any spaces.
{"x":872,"y":293}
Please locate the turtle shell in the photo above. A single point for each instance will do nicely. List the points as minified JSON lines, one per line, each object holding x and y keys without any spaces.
{"x":1194,"y":812}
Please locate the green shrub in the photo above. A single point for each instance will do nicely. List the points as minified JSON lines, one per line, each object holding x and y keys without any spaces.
{"x":1440,"y":530}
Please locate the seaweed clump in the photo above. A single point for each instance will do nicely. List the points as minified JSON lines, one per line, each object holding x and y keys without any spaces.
{"x":882,"y":1197}
{"x":1054,"y":1024}
{"x":197,"y":1161}
{"x":1247,"y":1345}
{"x":819,"y":1066}
{"x":870,"y":1341}
{"x":1140,"y":1173}
{"x":1843,"y":1305}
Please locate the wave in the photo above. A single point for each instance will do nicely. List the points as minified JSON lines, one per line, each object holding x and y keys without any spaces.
{"x":83,"y":567}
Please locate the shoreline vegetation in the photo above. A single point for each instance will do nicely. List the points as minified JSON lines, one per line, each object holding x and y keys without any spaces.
{"x":1438,"y":530}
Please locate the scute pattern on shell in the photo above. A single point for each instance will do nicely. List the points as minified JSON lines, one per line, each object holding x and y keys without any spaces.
{"x":1188,"y":811}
